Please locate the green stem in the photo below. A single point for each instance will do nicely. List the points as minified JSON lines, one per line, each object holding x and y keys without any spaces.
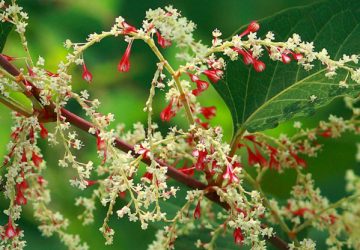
{"x":236,"y":140}
{"x":175,"y":75}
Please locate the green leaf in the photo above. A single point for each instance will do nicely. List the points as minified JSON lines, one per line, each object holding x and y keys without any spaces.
{"x":259,"y":101}
{"x":17,"y":101}
{"x":5,"y":29}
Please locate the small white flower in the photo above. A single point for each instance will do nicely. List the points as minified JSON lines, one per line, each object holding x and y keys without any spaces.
{"x":313,"y":98}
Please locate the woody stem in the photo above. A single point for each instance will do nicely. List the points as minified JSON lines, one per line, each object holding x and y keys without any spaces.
{"x":172,"y":172}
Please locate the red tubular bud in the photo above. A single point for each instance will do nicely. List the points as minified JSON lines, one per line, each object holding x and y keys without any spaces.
{"x":124,"y":64}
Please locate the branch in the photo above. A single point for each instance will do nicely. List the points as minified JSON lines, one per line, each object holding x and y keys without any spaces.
{"x":77,"y":121}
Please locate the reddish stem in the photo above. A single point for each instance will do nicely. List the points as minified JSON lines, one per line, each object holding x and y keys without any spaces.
{"x":84,"y":125}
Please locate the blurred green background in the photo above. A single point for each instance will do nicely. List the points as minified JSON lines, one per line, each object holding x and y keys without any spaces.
{"x":52,"y":22}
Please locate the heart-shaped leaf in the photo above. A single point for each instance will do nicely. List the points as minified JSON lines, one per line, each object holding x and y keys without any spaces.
{"x":259,"y":101}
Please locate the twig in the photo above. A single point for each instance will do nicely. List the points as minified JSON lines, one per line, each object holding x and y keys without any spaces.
{"x":172,"y":172}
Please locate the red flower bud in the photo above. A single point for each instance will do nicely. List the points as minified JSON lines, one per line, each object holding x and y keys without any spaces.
{"x":20,"y":198}
{"x":253,"y":27}
{"x":167,"y":113}
{"x":40,"y":180}
{"x":43,"y":131}
{"x":201,"y":159}
{"x":23,"y":156}
{"x":10,"y":230}
{"x":87,"y":76}
{"x":90,"y":183}
{"x":36,"y":159}
{"x":214,"y":75}
{"x":205,"y":125}
{"x":208,"y":112}
{"x":229,"y":173}
{"x":259,"y":66}
{"x":299,"y":161}
{"x":200,"y":84}
{"x":127,"y":28}
{"x":238,"y":236}
{"x":148,"y":176}
{"x":285,"y":58}
{"x":124,"y":64}
{"x":144,"y":152}
{"x":327,"y":133}
{"x":297,"y":56}
{"x":197,"y":211}
{"x":247,"y":57}
{"x":162,"y":41}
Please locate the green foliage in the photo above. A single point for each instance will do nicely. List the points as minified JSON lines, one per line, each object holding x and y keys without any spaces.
{"x":5,"y":29}
{"x":16,"y":100}
{"x":259,"y":101}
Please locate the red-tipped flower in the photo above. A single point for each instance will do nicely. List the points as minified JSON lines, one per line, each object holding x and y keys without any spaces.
{"x":214,"y":75}
{"x":255,"y":158}
{"x":259,"y":66}
{"x":197,"y":211}
{"x":238,"y":236}
{"x":229,"y":174}
{"x":144,"y":152}
{"x":297,"y":56}
{"x":253,"y":27}
{"x":208,"y":112}
{"x":326,"y":133}
{"x":43,"y":131}
{"x":285,"y":58}
{"x":36,"y":159}
{"x":10,"y":230}
{"x":20,"y":198}
{"x":23,"y":156}
{"x":201,"y":159}
{"x":247,"y":57}
{"x":205,"y":125}
{"x":298,"y":160}
{"x":148,"y":176}
{"x":124,"y":64}
{"x":200,"y":84}
{"x":168,"y":112}
{"x":86,"y":75}
{"x":162,"y":41}
{"x":127,"y":28}
{"x":90,"y":183}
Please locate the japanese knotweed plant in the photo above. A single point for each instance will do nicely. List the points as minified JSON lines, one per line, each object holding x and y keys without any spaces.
{"x":267,"y":72}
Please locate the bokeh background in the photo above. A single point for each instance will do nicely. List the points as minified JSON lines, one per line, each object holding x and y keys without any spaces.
{"x":52,"y":22}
